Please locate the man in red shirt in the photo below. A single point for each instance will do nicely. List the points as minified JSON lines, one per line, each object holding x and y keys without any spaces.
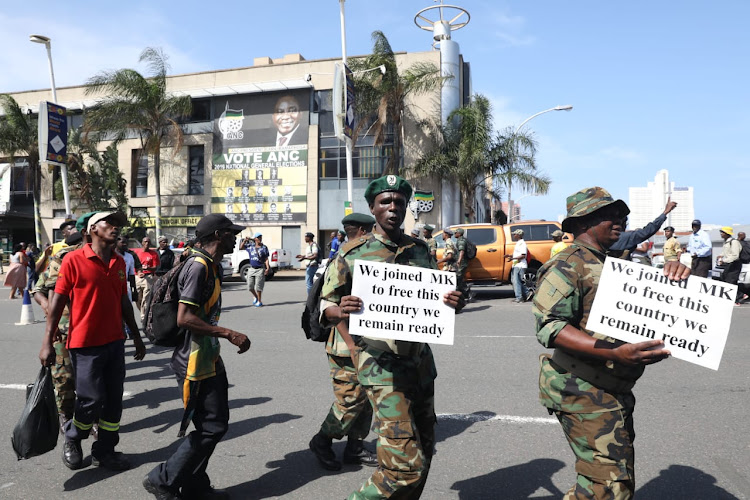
{"x":93,"y":280}
{"x":144,"y":279}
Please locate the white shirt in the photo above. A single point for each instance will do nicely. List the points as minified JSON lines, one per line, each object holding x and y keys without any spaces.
{"x":129,"y":269}
{"x":518,"y":251}
{"x":311,"y":249}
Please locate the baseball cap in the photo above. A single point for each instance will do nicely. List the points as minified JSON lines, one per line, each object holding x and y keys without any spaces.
{"x":696,"y":222}
{"x":257,"y":235}
{"x":115,"y":218}
{"x":215,"y":222}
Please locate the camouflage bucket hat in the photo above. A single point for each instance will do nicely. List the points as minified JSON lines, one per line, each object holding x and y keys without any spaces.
{"x":587,"y":201}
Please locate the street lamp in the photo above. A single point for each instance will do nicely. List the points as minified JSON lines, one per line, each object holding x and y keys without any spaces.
{"x":47,"y":42}
{"x":565,"y":107}
{"x":519,"y":199}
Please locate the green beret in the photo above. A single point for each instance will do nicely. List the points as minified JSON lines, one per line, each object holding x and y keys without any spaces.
{"x":387,"y":183}
{"x":357,"y":219}
{"x":590,"y":200}
{"x":459,"y":230}
{"x":429,"y":227}
{"x":82,"y":222}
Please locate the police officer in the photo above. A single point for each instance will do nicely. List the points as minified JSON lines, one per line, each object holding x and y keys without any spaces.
{"x":587,"y":382}
{"x":350,"y":414}
{"x":398,"y":376}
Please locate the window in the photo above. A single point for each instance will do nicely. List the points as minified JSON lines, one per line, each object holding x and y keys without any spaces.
{"x":58,"y":212}
{"x":139,"y":173}
{"x":536,"y":232}
{"x":20,"y":171}
{"x":195,"y":170}
{"x":138,"y":212}
{"x":56,"y":235}
{"x":368,"y":160}
{"x":201,"y":111}
{"x":481,"y":235}
{"x":195,"y":210}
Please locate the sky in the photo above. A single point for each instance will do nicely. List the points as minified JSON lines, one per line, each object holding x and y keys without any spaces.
{"x":654,"y":85}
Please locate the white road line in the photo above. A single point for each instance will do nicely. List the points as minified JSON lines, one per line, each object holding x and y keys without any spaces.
{"x":6,"y":485}
{"x":472,"y":417}
{"x":22,"y":387}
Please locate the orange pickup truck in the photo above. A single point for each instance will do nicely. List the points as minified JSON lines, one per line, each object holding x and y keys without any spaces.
{"x":493,"y":242}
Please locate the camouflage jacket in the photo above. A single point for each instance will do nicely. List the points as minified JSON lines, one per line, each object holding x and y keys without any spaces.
{"x":450,"y":248}
{"x":338,"y":282}
{"x":431,"y":244}
{"x":50,"y":279}
{"x":461,"y":247}
{"x":567,"y":285}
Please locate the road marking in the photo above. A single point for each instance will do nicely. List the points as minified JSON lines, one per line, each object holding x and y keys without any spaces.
{"x":6,"y":485}
{"x":479,"y":417}
{"x":22,"y":387}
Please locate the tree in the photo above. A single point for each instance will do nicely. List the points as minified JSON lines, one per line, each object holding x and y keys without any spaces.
{"x":462,"y":152}
{"x":94,"y":178}
{"x":19,"y":136}
{"x":513,"y":162}
{"x":134,"y":104}
{"x":381,"y":98}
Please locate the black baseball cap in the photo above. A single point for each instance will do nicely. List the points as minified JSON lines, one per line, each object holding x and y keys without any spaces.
{"x":696,"y":222}
{"x":70,"y":222}
{"x":669,"y":228}
{"x":215,"y":222}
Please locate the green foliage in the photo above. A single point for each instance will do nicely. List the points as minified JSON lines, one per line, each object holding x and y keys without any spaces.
{"x":131,"y":104}
{"x":19,"y":136}
{"x":94,"y":177}
{"x":381,"y":98}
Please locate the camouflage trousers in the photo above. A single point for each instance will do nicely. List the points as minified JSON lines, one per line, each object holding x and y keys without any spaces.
{"x":603,"y":446}
{"x":351,"y":413}
{"x":63,"y":378}
{"x":461,"y":281}
{"x":404,"y":422}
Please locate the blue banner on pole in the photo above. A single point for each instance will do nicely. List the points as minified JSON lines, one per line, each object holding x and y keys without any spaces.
{"x":53,"y":133}
{"x":349,"y":106}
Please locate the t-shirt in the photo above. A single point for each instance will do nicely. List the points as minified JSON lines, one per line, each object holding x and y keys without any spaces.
{"x":671,"y":247}
{"x":95,"y":290}
{"x":310,"y":250}
{"x":258,"y":256}
{"x":199,"y":285}
{"x":148,"y":258}
{"x":519,"y":250}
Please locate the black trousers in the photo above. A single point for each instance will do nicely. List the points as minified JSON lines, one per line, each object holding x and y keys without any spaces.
{"x":731,"y":275}
{"x":99,"y":379}
{"x":700,"y":266}
{"x":186,"y":469}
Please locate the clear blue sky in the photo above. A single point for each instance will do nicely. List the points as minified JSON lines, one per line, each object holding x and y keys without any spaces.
{"x":654,"y":84}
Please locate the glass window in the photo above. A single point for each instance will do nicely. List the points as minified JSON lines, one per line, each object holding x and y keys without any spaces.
{"x":139,"y":173}
{"x":195,"y":170}
{"x":536,"y":232}
{"x":195,"y":210}
{"x":138,"y":212}
{"x":481,"y":235}
{"x":58,"y":212}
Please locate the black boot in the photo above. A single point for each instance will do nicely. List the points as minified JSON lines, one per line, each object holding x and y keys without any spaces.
{"x":355,"y":453}
{"x":322,"y":446}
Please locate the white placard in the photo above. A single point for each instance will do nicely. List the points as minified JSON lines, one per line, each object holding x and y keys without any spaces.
{"x":402,"y":303}
{"x":636,"y":303}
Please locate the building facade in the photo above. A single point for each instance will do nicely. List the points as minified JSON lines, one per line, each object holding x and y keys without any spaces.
{"x":646,"y":203}
{"x":259,"y":147}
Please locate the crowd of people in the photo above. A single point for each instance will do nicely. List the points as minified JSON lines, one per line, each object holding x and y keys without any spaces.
{"x":86,"y":288}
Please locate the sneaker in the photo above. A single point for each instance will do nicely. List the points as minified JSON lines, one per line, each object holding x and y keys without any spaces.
{"x":159,"y":492}
{"x":323,"y":450}
{"x":255,"y":301}
{"x":72,"y":455}
{"x":517,"y":301}
{"x":111,"y":461}
{"x":258,"y":304}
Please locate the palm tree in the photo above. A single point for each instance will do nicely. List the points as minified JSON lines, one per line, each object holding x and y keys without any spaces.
{"x":19,"y":136}
{"x":462,"y":152}
{"x":381,"y":98}
{"x":135,"y":104}
{"x":513,"y":162}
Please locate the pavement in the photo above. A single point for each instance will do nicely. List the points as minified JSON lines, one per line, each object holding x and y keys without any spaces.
{"x":494,"y":440}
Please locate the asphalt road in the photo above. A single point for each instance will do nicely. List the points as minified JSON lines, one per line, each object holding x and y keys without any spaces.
{"x":494,"y":439}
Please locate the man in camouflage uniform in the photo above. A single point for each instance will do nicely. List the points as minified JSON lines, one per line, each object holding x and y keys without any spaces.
{"x":449,"y":254}
{"x":350,"y":414}
{"x":398,"y":376}
{"x":587,"y":382}
{"x":62,"y":370}
{"x":462,"y":262}
{"x":431,"y":243}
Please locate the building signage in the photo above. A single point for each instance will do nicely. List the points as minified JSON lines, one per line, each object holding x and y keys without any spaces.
{"x":172,"y":221}
{"x":259,"y":165}
{"x":53,"y":134}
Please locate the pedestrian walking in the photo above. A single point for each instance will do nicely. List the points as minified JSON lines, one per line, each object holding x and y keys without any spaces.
{"x":144,"y":277}
{"x":259,"y":268}
{"x":16,"y":276}
{"x":310,"y":259}
{"x":166,"y":257}
{"x":700,"y":249}
{"x":431,"y":243}
{"x":587,"y":383}
{"x":197,"y":364}
{"x":93,"y":280}
{"x":519,"y":266}
{"x":730,"y":259}
{"x":398,"y":376}
{"x":557,"y":237}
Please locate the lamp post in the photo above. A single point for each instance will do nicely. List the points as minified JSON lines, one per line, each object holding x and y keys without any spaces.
{"x":510,"y":219}
{"x":347,"y":140}
{"x":566,"y":107}
{"x":47,"y":42}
